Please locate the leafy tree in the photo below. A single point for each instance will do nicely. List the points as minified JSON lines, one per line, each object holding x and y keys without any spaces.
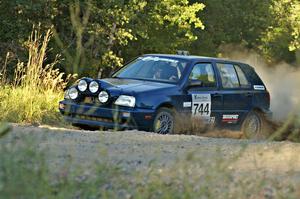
{"x":270,"y":27}
{"x":107,"y":33}
{"x":17,"y":20}
{"x":98,"y":36}
{"x":281,"y":38}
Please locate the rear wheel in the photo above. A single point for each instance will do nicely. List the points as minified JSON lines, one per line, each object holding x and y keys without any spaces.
{"x":253,"y":125}
{"x":164,"y":121}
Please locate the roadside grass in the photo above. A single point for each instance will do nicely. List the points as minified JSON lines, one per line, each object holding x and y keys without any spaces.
{"x":289,"y":130}
{"x":26,"y":105}
{"x":26,"y":172}
{"x":32,"y":95}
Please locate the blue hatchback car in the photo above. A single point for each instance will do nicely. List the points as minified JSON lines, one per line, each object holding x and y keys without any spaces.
{"x":148,"y":92}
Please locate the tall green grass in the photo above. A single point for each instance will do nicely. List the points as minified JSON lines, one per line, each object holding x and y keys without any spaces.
{"x":26,"y":105}
{"x":33,"y":94}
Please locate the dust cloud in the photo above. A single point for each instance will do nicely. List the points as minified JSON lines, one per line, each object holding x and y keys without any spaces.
{"x":282,"y":80}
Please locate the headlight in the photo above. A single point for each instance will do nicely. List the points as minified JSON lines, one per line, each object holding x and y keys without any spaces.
{"x":94,"y":86}
{"x":67,"y":94}
{"x":103,"y":97}
{"x":82,"y":85}
{"x":125,"y":100}
{"x":73,"y":93}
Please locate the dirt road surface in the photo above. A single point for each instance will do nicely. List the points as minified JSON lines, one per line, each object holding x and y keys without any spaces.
{"x":141,"y":150}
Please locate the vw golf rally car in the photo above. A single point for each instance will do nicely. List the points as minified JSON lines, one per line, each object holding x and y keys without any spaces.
{"x":146,"y":93}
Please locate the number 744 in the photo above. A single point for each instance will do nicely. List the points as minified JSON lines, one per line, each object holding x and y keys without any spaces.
{"x":201,"y":108}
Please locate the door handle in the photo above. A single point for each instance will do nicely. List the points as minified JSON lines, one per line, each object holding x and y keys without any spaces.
{"x":248,"y":94}
{"x":216,"y":95}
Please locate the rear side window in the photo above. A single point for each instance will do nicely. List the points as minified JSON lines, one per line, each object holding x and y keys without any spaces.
{"x":242,"y":77}
{"x":228,"y":76}
{"x":251,"y":74}
{"x":205,"y":73}
{"x":232,"y":76}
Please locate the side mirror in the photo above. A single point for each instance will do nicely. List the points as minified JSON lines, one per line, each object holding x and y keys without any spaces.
{"x":195,"y":83}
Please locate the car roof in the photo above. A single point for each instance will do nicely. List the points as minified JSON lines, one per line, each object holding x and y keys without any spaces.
{"x":194,"y":58}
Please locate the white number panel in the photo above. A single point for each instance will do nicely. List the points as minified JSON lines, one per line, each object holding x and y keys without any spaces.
{"x":201,"y":106}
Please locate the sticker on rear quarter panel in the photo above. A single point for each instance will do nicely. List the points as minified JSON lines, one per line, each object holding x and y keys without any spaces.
{"x":259,"y":87}
{"x":201,"y":106}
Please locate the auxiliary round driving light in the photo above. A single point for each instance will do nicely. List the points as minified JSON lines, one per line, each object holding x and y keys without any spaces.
{"x":82,"y":85}
{"x":94,"y":86}
{"x":103,"y":97}
{"x":73,"y":93}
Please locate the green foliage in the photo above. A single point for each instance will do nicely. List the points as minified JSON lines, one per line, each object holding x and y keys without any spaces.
{"x":295,"y":22}
{"x":95,"y":37}
{"x":4,"y":129}
{"x":107,"y":33}
{"x":280,"y":38}
{"x":164,"y":26}
{"x":17,"y":19}
{"x":24,"y":175}
{"x":266,"y":26}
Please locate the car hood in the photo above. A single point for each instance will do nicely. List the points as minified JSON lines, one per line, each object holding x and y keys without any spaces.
{"x":131,"y":86}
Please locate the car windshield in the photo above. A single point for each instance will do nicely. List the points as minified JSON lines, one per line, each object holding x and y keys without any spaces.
{"x":153,"y":68}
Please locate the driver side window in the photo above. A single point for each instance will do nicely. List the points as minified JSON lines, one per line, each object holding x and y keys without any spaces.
{"x":205,"y":73}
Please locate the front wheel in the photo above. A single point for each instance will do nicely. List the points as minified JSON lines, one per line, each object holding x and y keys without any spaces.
{"x":253,"y":125}
{"x":164,"y":121}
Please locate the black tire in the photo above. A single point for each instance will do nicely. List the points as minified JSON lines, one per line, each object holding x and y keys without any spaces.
{"x":164,"y":121}
{"x":253,"y":126}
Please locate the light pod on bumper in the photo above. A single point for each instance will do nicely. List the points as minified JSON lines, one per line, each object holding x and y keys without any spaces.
{"x":103,"y":97}
{"x":94,"y":86}
{"x":125,"y":100}
{"x":82,"y":85}
{"x":73,"y":93}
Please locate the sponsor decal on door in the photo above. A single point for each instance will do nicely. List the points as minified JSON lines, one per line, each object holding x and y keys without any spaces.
{"x":231,"y":119}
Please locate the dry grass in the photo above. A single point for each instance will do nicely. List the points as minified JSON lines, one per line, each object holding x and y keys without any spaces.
{"x":33,"y":95}
{"x":195,"y":126}
{"x":184,"y":124}
{"x":287,"y":130}
{"x":25,"y":105}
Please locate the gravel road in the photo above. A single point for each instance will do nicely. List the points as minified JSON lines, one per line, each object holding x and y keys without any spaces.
{"x":230,"y":166}
{"x":138,"y":150}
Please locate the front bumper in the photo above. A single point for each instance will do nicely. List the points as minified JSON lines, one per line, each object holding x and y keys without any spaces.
{"x":98,"y":116}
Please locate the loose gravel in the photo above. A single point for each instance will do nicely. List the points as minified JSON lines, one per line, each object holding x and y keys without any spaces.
{"x":141,"y":150}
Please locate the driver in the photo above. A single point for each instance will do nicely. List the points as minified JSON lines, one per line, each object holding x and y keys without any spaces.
{"x":157,"y":73}
{"x":165,"y":72}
